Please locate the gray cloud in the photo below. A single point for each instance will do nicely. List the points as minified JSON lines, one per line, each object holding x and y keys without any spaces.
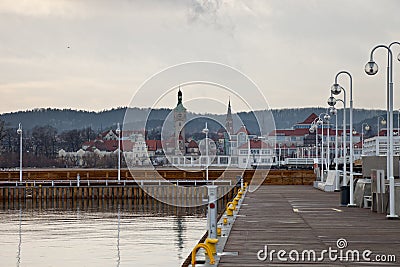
{"x":291,"y":49}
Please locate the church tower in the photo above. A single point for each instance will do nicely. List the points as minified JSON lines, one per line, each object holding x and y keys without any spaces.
{"x":179,"y":121}
{"x":229,"y":120}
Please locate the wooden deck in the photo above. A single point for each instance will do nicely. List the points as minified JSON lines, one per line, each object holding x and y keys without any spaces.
{"x":303,"y":218}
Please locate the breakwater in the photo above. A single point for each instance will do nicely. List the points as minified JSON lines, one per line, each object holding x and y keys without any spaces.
{"x":128,"y":192}
{"x":278,"y":177}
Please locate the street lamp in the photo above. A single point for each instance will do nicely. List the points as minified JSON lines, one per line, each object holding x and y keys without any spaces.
{"x":314,"y":128}
{"x":327,"y":117}
{"x":19,"y":132}
{"x":336,"y":89}
{"x":118,"y":132}
{"x":321,"y":123}
{"x":382,"y":121}
{"x":371,"y":68}
{"x":333,"y":111}
{"x":331,"y":101}
{"x":279,"y":156}
{"x":366,"y":127}
{"x":205,"y":131}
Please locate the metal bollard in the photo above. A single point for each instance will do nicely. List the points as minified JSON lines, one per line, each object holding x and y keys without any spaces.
{"x":208,"y":252}
{"x":230,"y":207}
{"x":212,"y":211}
{"x":78,"y":180}
{"x":212,"y":244}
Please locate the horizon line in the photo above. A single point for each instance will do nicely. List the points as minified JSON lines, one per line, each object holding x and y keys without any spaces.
{"x":168,"y":108}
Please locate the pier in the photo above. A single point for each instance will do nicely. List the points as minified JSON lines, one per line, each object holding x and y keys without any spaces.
{"x":302,"y":218}
{"x":287,"y":177}
{"x":177,"y":187}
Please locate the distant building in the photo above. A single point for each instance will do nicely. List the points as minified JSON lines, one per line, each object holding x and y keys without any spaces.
{"x":192,"y":148}
{"x":179,"y":123}
{"x":377,"y":145}
{"x":229,"y":120}
{"x":299,"y":142}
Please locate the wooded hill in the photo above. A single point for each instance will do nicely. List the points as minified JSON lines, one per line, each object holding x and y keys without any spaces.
{"x":68,"y":119}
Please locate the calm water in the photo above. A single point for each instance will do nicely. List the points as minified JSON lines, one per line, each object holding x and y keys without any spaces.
{"x":146,"y":235}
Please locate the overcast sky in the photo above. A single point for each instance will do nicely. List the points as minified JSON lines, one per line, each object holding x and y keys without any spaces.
{"x":94,"y":54}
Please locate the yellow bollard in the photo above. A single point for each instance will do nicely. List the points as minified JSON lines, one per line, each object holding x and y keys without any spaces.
{"x":225,"y":221}
{"x":236,"y":200}
{"x":239,"y":195}
{"x":230,"y":207}
{"x":212,"y":244}
{"x":208,"y":252}
{"x":219,"y":230}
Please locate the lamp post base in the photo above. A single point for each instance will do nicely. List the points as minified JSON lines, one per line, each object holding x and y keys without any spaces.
{"x":351,"y":205}
{"x":392,"y":217}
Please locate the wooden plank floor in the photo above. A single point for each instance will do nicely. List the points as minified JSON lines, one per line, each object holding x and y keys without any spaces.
{"x":303,"y":218}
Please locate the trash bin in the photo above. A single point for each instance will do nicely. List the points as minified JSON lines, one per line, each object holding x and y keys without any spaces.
{"x":344,"y":195}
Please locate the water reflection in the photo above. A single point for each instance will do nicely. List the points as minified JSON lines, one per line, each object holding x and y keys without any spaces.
{"x":81,"y":233}
{"x":119,"y":221}
{"x":179,"y":235}
{"x":20,"y":237}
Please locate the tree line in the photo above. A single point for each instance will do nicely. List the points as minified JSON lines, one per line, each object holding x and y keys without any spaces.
{"x":41,"y":144}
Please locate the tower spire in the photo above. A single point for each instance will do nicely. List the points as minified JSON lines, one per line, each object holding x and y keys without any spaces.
{"x":229,"y":120}
{"x":179,"y":121}
{"x":179,"y":96}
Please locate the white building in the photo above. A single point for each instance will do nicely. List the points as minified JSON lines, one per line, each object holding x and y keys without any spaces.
{"x":255,"y":152}
{"x":377,"y":146}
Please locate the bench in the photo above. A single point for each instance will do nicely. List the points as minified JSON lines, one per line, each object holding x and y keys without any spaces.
{"x":329,"y":184}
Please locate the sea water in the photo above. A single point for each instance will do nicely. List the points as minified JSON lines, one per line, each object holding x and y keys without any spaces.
{"x":142,"y":235}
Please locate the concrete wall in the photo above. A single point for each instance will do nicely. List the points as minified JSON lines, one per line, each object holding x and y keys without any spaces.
{"x":379,"y":163}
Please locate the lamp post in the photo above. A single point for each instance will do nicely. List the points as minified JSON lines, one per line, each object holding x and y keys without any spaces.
{"x":327,"y":117}
{"x":332,"y":102}
{"x":382,"y":121}
{"x":118,"y":132}
{"x":314,"y":128}
{"x":333,"y":111}
{"x":279,"y":155}
{"x":205,"y":131}
{"x":19,"y":132}
{"x":366,"y":127}
{"x":371,"y":68}
{"x":321,"y":123}
{"x":336,"y":89}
